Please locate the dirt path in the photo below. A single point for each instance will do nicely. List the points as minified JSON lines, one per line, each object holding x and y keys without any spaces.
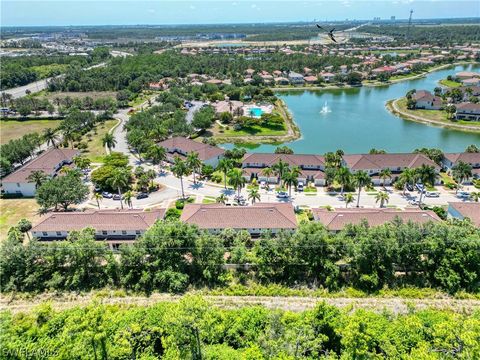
{"x":393,"y":107}
{"x":394,"y":305}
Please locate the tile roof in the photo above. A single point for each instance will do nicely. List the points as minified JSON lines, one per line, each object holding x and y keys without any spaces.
{"x":46,"y":162}
{"x":380,"y":161}
{"x":470,"y":158}
{"x":468,"y":106}
{"x":100,"y":220}
{"x":258,"y":216}
{"x":469,"y":210}
{"x":291,"y":159}
{"x":338,"y":219}
{"x":204,"y":151}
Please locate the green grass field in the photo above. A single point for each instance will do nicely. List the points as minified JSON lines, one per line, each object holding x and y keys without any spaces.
{"x":96,"y":150}
{"x":449,"y":83}
{"x":14,"y":129}
{"x":254,"y":130}
{"x":12,"y":210}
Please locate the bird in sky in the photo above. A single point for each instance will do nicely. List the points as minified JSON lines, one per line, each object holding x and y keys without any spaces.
{"x":329,"y":33}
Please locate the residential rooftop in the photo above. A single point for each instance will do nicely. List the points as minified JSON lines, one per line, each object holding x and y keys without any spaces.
{"x":469,"y":210}
{"x":182,"y":144}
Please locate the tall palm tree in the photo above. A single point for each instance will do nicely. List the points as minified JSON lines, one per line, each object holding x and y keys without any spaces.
{"x":151,"y":175}
{"x":343,"y":177}
{"x":194,"y":163}
{"x":119,"y":180}
{"x":407,"y":176}
{"x":290,"y":178}
{"x":427,"y":175}
{"x":461,"y":172}
{"x":98,"y":197}
{"x":157,"y":154}
{"x":50,"y":136}
{"x":180,"y":169}
{"x":385,"y":174}
{"x":361,"y":179}
{"x":267,"y":172}
{"x":253,"y":195}
{"x":225,"y":165}
{"x":236,"y":179}
{"x":109,"y":141}
{"x":382,"y":197}
{"x":349,"y":198}
{"x":128,"y":196}
{"x":280,"y":168}
{"x":38,"y":177}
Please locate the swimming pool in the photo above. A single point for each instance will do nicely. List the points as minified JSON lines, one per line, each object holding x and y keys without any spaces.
{"x":257,"y":112}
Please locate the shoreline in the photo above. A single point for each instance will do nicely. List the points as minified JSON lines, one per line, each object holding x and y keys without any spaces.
{"x":393,"y":108}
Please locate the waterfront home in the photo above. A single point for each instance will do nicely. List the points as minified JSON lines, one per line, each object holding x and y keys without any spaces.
{"x":281,"y":81}
{"x":338,"y":219}
{"x":181,"y":147}
{"x":373,"y":164}
{"x":471,"y":82}
{"x":465,"y":210}
{"x":114,"y":226}
{"x":295,"y":78}
{"x":467,"y":111}
{"x":255,"y":219}
{"x":50,"y":162}
{"x":311,"y":166}
{"x":467,"y":75}
{"x":452,"y":159}
{"x":310,"y":79}
{"x":426,"y":100}
{"x":327,"y":76}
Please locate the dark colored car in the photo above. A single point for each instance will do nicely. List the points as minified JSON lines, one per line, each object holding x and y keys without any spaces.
{"x":117,"y":197}
{"x":142,"y":196}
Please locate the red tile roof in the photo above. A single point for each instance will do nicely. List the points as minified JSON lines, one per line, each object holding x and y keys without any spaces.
{"x":185,"y":145}
{"x":469,"y":210}
{"x":291,"y":159}
{"x":338,"y":219}
{"x":381,"y":161}
{"x":46,"y":162}
{"x":100,"y":220}
{"x":258,"y":216}
{"x":470,"y":158}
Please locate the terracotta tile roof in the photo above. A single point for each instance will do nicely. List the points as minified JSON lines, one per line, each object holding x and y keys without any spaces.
{"x":423,"y":95}
{"x":185,"y":145}
{"x":258,"y":216}
{"x":46,"y":162}
{"x":338,"y":219}
{"x":469,"y":210}
{"x":291,"y":159}
{"x":469,"y":107}
{"x":100,"y":220}
{"x":380,"y":161}
{"x":470,"y":158}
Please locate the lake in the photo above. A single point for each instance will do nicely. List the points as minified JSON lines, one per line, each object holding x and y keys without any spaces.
{"x":356,"y":120}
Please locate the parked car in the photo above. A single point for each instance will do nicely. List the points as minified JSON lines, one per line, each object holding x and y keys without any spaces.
{"x":420,"y":187}
{"x":463,"y":195}
{"x":239,"y":198}
{"x":413,"y":202}
{"x":97,"y":188}
{"x":409,"y":187}
{"x":282,"y":195}
{"x":142,"y":196}
{"x":263,"y":184}
{"x":117,"y":197}
{"x":300,"y":186}
{"x":432,"y":194}
{"x":107,"y":195}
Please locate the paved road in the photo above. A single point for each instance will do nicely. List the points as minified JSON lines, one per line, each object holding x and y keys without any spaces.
{"x":191,"y":111}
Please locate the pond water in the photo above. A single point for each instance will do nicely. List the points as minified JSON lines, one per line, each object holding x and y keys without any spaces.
{"x":356,"y":120}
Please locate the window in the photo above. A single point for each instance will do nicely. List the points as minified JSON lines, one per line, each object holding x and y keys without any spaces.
{"x":124,"y":232}
{"x":18,"y":184}
{"x":59,"y":233}
{"x":104,"y":232}
{"x":44,"y":233}
{"x":138,"y":232}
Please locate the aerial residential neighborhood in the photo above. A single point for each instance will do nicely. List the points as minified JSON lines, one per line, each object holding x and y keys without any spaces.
{"x":240,"y":180}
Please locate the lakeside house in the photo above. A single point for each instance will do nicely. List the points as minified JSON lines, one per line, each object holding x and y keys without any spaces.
{"x":114,"y":226}
{"x":338,"y":219}
{"x":258,"y":218}
{"x":181,"y":147}
{"x":295,"y":78}
{"x":373,"y":164}
{"x":426,"y":100}
{"x":462,"y":75}
{"x":473,"y":159}
{"x":465,"y":210}
{"x":327,"y":76}
{"x":49,"y":162}
{"x":467,"y":111}
{"x":471,"y":82}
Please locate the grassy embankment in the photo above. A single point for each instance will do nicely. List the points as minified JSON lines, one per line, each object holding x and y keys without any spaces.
{"x":12,"y":210}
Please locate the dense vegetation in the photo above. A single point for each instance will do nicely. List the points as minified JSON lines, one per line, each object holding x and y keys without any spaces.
{"x":193,"y":329}
{"x":171,"y":256}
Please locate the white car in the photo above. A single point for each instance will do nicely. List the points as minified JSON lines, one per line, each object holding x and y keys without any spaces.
{"x":282,"y":195}
{"x":463,"y":195}
{"x":432,"y":194}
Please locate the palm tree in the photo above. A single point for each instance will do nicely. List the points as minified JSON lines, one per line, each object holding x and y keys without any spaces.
{"x":98,"y":197}
{"x":408,"y":177}
{"x":290,"y":178}
{"x":461,"y":172}
{"x":385,"y":174}
{"x":427,"y":175}
{"x":349,"y":198}
{"x":236,"y":179}
{"x":38,"y":177}
{"x":343,"y":177}
{"x":194,"y":163}
{"x":267,"y":172}
{"x":180,"y":169}
{"x":361,"y":179}
{"x":222,"y":199}
{"x":109,"y":141}
{"x":382,"y":197}
{"x":280,"y":168}
{"x":253,"y":195}
{"x":151,"y":175}
{"x":224,"y":165}
{"x":157,"y":154}
{"x":119,"y":180}
{"x":81,"y":162}
{"x":475,"y":196}
{"x":128,"y":196}
{"x":50,"y":136}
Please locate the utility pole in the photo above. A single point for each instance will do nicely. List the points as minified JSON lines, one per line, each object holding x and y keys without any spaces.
{"x":409,"y":24}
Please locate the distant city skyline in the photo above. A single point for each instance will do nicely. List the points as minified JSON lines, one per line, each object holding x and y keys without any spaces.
{"x":115,"y":12}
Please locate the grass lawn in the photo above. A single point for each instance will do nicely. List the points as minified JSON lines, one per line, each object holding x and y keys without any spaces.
{"x":12,"y":210}
{"x":96,"y":150}
{"x":257,"y":130}
{"x":80,"y":95}
{"x":208,"y":200}
{"x":450,"y":83}
{"x":446,"y":178}
{"x":15,"y":129}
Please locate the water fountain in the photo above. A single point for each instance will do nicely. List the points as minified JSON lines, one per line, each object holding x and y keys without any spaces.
{"x":325,"y":109}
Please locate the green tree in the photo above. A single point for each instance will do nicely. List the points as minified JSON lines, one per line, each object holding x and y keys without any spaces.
{"x":236,"y":179}
{"x":194,"y":163}
{"x":180,"y":169}
{"x":385,"y":174}
{"x":50,"y":136}
{"x":348,"y":198}
{"x":280,"y":168}
{"x":382,"y":197}
{"x":427,"y":175}
{"x":24,"y":226}
{"x":408,"y":176}
{"x":253,"y":195}
{"x":344,"y":177}
{"x":109,"y":141}
{"x":119,"y":180}
{"x":225,"y":165}
{"x":38,"y":177}
{"x":62,"y":191}
{"x":98,"y":198}
{"x":361,"y":179}
{"x":461,"y":172}
{"x":157,"y":154}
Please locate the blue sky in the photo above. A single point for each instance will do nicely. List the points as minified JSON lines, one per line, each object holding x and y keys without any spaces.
{"x":114,"y":12}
